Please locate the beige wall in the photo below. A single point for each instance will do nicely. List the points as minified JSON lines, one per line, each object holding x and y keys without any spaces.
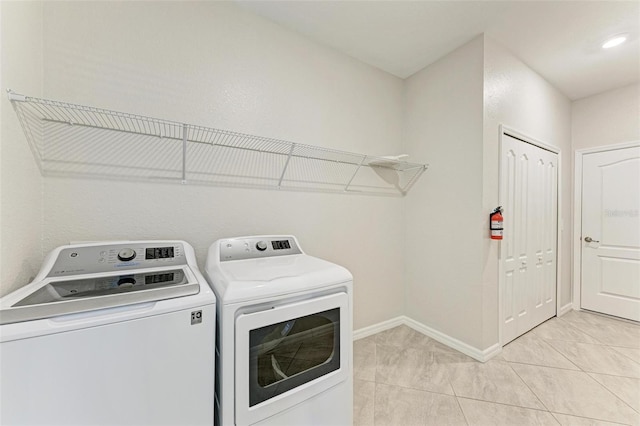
{"x":453,"y":112}
{"x":607,"y":118}
{"x":20,"y":180}
{"x":519,"y":98}
{"x":213,"y":64}
{"x":444,"y":221}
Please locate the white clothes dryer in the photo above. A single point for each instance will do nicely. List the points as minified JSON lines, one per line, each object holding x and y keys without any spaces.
{"x":114,"y":333}
{"x":284,"y":341}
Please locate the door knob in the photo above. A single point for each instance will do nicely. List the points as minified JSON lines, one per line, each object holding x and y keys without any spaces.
{"x":590,"y":240}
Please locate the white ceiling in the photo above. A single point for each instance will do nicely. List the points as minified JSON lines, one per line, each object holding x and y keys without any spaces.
{"x":559,"y":39}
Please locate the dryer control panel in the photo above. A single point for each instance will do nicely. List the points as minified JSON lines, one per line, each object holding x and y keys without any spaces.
{"x":79,"y":259}
{"x":257,"y":247}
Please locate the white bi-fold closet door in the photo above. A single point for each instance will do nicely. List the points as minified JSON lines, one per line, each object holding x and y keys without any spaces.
{"x":528,"y":252}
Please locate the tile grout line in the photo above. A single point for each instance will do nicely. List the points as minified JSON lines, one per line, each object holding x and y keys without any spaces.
{"x":610,"y":391}
{"x":589,"y":418}
{"x":416,"y":389}
{"x":613,"y":347}
{"x":560,"y":353}
{"x":610,"y":374}
{"x":579,"y":370}
{"x":567,"y":325}
{"x":455,"y":395}
{"x":504,"y":404}
{"x":583,"y":417}
{"x":572,"y":325}
{"x":464,"y":416}
{"x":375,"y":390}
{"x":608,"y":347}
{"x":598,"y":342}
{"x":581,"y":331}
{"x":375,"y":376}
{"x":528,"y":387}
{"x":422,"y":350}
{"x":556,"y":418}
{"x":606,"y":317}
{"x":591,"y":378}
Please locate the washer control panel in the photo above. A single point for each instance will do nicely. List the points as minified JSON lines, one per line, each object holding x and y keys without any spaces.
{"x":114,"y":257}
{"x":104,"y":286}
{"x":257,"y":247}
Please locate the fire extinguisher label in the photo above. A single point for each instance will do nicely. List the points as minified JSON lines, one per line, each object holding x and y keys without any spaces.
{"x":496,"y":224}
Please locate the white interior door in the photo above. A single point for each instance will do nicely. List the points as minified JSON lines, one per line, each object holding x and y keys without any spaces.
{"x":611,"y":232}
{"x":529,"y":193}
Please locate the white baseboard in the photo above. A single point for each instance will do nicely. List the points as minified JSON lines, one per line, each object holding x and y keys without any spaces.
{"x":566,"y":308}
{"x":361,"y":333}
{"x":445,"y":339}
{"x":475,"y":353}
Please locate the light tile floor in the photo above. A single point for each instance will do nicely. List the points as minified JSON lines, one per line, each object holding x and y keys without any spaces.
{"x":579,"y":369}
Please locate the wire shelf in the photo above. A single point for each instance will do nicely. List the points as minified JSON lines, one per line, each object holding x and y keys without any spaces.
{"x":76,"y":140}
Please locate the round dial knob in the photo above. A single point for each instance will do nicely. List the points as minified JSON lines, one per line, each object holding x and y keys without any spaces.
{"x":126,"y":254}
{"x":261,"y":245}
{"x":126,"y":282}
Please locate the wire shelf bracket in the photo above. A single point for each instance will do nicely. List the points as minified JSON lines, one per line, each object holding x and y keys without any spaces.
{"x":72,"y":140}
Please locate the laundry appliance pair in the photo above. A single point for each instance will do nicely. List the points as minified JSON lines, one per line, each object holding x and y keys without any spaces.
{"x":124,"y":332}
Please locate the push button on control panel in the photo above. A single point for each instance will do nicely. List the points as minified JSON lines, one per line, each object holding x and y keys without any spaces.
{"x":261,"y":245}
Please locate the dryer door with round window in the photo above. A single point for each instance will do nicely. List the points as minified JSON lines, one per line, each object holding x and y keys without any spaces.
{"x":289,"y":353}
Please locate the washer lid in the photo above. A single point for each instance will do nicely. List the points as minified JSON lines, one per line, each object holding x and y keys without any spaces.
{"x":60,"y":297}
{"x":271,"y":276}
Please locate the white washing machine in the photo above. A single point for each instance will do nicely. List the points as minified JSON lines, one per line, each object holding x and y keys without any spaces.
{"x":117,"y":333}
{"x":284,"y":342}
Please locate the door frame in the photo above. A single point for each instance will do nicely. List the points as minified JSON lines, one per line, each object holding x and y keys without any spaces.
{"x":508,"y":131}
{"x":576,"y":238}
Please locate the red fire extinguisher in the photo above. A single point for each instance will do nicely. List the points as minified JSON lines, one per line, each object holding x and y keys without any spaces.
{"x":496,"y":222}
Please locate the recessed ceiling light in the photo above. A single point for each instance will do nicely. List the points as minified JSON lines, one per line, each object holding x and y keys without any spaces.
{"x":615,"y":41}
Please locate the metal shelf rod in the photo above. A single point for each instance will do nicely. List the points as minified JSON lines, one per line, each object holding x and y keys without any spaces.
{"x":184,"y":153}
{"x":112,"y":129}
{"x":284,"y":170}
{"x":346,"y":187}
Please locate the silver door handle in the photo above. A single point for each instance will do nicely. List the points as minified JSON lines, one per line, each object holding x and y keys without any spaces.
{"x":590,"y":240}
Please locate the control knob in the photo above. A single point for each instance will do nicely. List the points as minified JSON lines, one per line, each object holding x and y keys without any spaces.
{"x":126,"y":282}
{"x":261,"y":245}
{"x":126,"y":254}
